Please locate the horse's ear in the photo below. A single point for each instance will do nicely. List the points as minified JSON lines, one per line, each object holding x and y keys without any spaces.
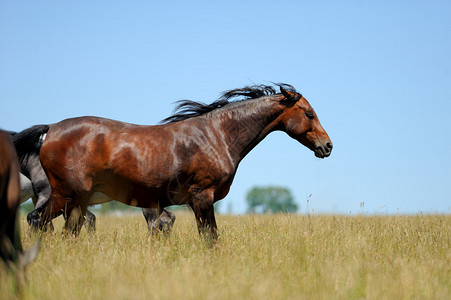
{"x":291,"y":96}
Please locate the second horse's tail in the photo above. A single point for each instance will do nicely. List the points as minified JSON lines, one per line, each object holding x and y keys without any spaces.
{"x":29,"y":140}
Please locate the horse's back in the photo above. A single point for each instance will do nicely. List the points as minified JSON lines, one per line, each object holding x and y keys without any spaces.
{"x":99,"y":142}
{"x":88,"y":122}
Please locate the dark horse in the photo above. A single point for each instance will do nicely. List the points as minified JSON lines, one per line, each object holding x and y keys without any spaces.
{"x":11,"y":251}
{"x":190,"y":159}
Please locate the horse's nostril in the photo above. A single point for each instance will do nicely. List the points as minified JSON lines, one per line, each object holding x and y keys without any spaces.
{"x":329,"y":145}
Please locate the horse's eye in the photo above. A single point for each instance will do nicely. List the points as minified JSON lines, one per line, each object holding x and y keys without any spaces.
{"x":309,"y":115}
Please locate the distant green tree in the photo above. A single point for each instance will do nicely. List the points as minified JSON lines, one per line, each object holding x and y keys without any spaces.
{"x":270,"y":199}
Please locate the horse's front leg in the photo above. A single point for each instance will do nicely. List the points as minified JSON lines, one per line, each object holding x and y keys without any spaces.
{"x":202,"y":205}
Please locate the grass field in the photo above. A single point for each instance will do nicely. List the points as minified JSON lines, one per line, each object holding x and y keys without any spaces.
{"x":256,"y":257}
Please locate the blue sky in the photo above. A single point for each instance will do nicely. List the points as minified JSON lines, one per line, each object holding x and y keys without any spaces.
{"x":378,"y":75}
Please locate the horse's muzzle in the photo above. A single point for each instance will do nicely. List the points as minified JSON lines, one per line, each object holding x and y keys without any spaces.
{"x":324,"y":150}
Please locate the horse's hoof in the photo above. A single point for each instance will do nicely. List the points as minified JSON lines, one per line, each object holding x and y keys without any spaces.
{"x":34,"y":220}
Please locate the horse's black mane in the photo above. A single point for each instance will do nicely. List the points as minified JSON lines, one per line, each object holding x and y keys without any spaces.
{"x":187,"y":109}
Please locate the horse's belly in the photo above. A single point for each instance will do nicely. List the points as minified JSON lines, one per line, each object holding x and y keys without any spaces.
{"x":99,"y":198}
{"x":126,"y":193}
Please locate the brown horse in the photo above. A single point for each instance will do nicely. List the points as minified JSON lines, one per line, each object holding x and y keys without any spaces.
{"x":11,"y":251}
{"x":34,"y":184}
{"x":190,"y":159}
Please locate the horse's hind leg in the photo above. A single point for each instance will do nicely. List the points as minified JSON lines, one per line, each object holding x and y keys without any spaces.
{"x":42,"y":191}
{"x":151,"y":215}
{"x":34,"y":218}
{"x":166,"y":221}
{"x":159,"y":220}
{"x":148,"y":215}
{"x":75,"y":218}
{"x":40,"y":218}
{"x":26,"y":189}
{"x":90,"y":221}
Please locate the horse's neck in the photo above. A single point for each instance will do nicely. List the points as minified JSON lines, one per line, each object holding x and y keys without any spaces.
{"x":246,"y":124}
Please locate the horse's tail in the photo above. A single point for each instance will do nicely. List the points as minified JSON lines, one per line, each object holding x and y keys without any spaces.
{"x":29,"y":141}
{"x":11,"y":133}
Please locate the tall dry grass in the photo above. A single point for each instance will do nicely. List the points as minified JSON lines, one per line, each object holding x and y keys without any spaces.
{"x":256,"y":257}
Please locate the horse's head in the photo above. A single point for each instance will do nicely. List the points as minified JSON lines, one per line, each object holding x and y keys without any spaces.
{"x":300,"y":121}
